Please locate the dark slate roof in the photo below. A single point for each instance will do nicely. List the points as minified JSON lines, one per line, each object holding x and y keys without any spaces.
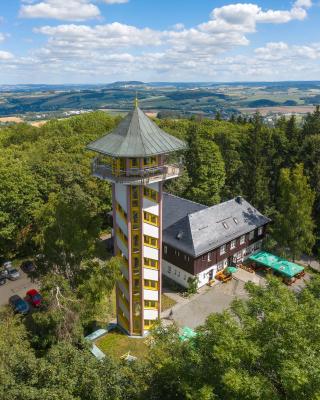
{"x":196,"y":229}
{"x":136,"y":136}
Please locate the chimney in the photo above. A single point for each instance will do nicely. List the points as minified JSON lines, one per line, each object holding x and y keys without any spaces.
{"x":239,"y":199}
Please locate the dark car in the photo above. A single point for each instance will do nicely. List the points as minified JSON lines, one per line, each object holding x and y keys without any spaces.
{"x":28,"y":266}
{"x":18,"y":304}
{"x":34,"y":298}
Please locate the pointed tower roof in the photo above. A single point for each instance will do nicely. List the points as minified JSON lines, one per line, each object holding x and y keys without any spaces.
{"x":136,"y":136}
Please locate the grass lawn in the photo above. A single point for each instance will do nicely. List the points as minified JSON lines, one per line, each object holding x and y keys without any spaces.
{"x":167,"y":302}
{"x":116,"y":344}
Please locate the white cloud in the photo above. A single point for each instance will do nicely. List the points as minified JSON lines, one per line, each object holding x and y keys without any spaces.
{"x":5,"y":55}
{"x":105,"y":52}
{"x":72,"y":10}
{"x":2,"y":37}
{"x":303,"y":4}
{"x":85,"y":38}
{"x":115,"y":1}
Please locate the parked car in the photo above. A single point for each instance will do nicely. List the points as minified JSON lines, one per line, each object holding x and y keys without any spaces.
{"x":12,"y":273}
{"x":3,"y":278}
{"x":34,"y":298}
{"x":28,"y":266}
{"x":7,"y":264}
{"x":18,"y":304}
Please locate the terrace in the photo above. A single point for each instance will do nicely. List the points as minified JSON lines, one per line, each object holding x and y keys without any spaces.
{"x":136,"y":176}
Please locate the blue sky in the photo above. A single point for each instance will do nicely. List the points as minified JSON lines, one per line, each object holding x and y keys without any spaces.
{"x":96,"y":41}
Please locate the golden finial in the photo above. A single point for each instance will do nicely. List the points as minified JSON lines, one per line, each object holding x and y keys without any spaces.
{"x":136,"y":101}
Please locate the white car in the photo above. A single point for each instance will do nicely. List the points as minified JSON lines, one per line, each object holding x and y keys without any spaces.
{"x":11,"y":273}
{"x":7,"y":264}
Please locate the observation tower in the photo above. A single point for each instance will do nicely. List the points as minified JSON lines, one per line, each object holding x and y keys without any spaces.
{"x":137,"y":157}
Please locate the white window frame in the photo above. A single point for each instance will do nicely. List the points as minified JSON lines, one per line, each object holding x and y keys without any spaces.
{"x":242,"y":239}
{"x":233,"y":244}
{"x":260,"y":231}
{"x":222,"y":250}
{"x":165,"y":249}
{"x":209,"y":256}
{"x":169,"y":269}
{"x":251,"y":235}
{"x":220,"y":266}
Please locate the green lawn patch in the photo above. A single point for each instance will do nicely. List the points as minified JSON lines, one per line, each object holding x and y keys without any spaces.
{"x":116,"y":344}
{"x":167,"y":302}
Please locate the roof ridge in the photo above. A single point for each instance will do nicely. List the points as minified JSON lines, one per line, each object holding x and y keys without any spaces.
{"x":219,"y":205}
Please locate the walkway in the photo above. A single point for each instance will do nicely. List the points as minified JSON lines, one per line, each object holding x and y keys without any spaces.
{"x":194,"y":312}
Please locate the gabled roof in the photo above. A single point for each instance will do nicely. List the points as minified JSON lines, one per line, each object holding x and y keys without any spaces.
{"x":136,"y":136}
{"x":207,"y":228}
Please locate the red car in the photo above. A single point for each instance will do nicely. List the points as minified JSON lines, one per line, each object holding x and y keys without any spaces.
{"x":34,"y":297}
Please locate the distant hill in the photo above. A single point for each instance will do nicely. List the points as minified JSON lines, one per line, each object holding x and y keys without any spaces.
{"x":263,"y":103}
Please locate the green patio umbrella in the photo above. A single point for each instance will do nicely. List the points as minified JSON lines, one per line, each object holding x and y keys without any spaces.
{"x":231,"y":270}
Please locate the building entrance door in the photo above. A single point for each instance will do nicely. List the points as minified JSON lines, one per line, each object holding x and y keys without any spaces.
{"x":210,"y":275}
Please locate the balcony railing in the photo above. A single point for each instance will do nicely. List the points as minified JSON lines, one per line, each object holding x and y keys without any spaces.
{"x":136,"y":175}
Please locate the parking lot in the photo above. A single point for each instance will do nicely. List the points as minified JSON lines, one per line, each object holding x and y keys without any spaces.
{"x":20,"y":287}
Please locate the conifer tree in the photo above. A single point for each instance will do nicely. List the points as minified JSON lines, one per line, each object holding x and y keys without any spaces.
{"x":205,"y":167}
{"x":294,"y":226}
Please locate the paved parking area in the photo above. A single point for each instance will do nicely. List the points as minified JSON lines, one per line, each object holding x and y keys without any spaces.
{"x":216,"y":299}
{"x":20,"y":287}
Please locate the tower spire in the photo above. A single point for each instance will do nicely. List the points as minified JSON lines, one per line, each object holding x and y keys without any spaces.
{"x":136,"y":101}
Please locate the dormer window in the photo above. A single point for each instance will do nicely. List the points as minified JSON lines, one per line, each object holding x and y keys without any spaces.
{"x":260,"y":231}
{"x":225,"y":225}
{"x":235,"y":220}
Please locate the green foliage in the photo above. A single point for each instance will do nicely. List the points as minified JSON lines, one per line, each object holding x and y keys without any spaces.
{"x":265,"y":348}
{"x":192,"y":285}
{"x":294,"y":226}
{"x":36,"y":163}
{"x":205,"y":168}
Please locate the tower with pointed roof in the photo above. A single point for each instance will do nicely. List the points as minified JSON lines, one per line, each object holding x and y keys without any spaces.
{"x":136,"y":157}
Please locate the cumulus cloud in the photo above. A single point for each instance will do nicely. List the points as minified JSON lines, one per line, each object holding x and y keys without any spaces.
{"x":120,"y":51}
{"x":72,"y":10}
{"x":5,"y":55}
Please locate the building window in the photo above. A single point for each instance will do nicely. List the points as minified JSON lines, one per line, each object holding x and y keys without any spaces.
{"x":150,"y":263}
{"x":209,"y":256}
{"x":151,"y":304}
{"x":233,"y":244}
{"x":177,"y":253}
{"x":151,"y":218}
{"x":242,"y":239}
{"x":220,"y":266}
{"x":185,"y":277}
{"x":178,"y":273}
{"x":251,"y":235}
{"x":260,"y":231}
{"x":204,"y":257}
{"x":235,"y":220}
{"x":149,"y":284}
{"x":222,"y":249}
{"x":150,"y":194}
{"x":225,"y":225}
{"x":150,"y":241}
{"x":169,"y":269}
{"x":165,"y":249}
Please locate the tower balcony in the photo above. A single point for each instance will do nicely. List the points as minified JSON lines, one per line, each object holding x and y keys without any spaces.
{"x":136,"y":176}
